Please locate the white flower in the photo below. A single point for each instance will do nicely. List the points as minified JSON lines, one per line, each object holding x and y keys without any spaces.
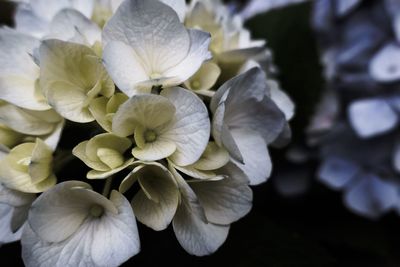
{"x":19,"y":73}
{"x":157,"y":50}
{"x":28,"y":168}
{"x":35,"y":16}
{"x":174,"y":124}
{"x":71,"y":225}
{"x":213,"y":158}
{"x":104,"y":153}
{"x":103,"y":109}
{"x":71,"y":25}
{"x":157,"y":200}
{"x":231,"y":42}
{"x":245,"y":121}
{"x":204,"y":79}
{"x":71,"y":76}
{"x":47,"y":125}
{"x":207,"y":208}
{"x":14,"y":207}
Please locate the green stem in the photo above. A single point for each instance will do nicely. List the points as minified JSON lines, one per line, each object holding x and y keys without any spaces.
{"x":107,"y":186}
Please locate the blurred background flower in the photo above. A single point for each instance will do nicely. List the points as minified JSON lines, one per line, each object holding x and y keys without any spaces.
{"x":359,"y":148}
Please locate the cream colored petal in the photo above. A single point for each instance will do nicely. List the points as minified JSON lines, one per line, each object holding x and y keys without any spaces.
{"x":26,"y":121}
{"x":72,"y":76}
{"x":80,"y":152}
{"x":205,"y":78}
{"x":156,"y":150}
{"x":214,"y":157}
{"x":150,"y":111}
{"x":94,"y":174}
{"x":40,"y":166}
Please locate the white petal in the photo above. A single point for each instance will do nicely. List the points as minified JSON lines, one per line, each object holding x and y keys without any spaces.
{"x":222,"y":135}
{"x":105,"y":242}
{"x":59,"y":212}
{"x":155,"y":33}
{"x":337,"y":173}
{"x":28,"y":22}
{"x":179,"y":6}
{"x":281,"y":99}
{"x":125,"y":67}
{"x":195,"y":235}
{"x":27,"y":122}
{"x":192,"y":172}
{"x":227,"y":200}
{"x":263,"y":117}
{"x":19,"y":72}
{"x":71,"y":25}
{"x":249,"y":85}
{"x":371,"y":196}
{"x":6,"y":233}
{"x":48,"y":9}
{"x":246,"y":108}
{"x":155,"y":205}
{"x":15,"y":198}
{"x":371,"y":117}
{"x":385,"y":66}
{"x":190,"y":128}
{"x":53,"y":138}
{"x":257,"y":162}
{"x":116,"y":239}
{"x":198,"y":53}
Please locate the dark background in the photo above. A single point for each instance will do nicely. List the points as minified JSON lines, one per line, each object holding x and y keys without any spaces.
{"x":313,"y":229}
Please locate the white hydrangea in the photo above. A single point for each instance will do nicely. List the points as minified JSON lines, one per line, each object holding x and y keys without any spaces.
{"x":139,"y":79}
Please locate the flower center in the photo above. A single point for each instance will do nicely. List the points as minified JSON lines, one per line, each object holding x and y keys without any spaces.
{"x":25,"y":161}
{"x":96,"y":210}
{"x":195,"y":85}
{"x":155,"y":76}
{"x":150,"y":136}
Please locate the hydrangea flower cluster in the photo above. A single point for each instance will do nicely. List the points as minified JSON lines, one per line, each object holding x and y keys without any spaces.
{"x":356,"y":125}
{"x":183,"y":108}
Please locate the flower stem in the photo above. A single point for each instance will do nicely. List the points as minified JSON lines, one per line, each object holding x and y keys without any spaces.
{"x":107,"y":187}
